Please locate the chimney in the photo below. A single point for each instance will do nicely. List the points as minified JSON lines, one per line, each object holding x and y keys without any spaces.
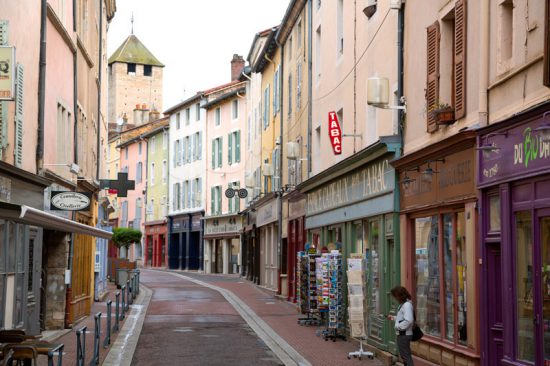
{"x":237,"y":66}
{"x":137,"y":115}
{"x":145,"y":114}
{"x":154,"y":114}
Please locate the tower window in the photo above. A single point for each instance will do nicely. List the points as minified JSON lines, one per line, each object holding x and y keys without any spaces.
{"x":131,"y":69}
{"x":147,"y":70}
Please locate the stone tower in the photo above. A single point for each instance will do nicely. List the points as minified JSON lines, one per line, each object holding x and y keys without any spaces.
{"x":135,"y":82}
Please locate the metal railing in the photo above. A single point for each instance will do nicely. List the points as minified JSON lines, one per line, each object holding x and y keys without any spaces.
{"x":81,"y":346}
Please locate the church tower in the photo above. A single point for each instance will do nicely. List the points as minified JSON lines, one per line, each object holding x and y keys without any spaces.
{"x":135,"y":83}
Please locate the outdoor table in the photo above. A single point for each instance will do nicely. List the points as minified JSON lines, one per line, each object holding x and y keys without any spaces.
{"x":42,"y":348}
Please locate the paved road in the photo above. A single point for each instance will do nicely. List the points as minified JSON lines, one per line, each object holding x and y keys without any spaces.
{"x":188,"y":324}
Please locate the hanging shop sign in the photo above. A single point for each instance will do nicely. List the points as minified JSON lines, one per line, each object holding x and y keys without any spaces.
{"x":70,"y":201}
{"x":335,"y":133}
{"x":372,"y":180}
{"x":7,"y":73}
{"x":522,"y":150}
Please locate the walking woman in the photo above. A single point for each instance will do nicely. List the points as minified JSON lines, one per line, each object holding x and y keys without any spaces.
{"x":404,"y":321}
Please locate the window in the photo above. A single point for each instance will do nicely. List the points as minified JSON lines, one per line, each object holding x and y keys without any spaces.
{"x":276,"y":91}
{"x":197,"y":112}
{"x":184,"y":194}
{"x":153,"y":144}
{"x":165,"y":140}
{"x":178,"y":121}
{"x":189,"y":148}
{"x":299,"y":34}
{"x":234,"y":203}
{"x":139,"y":173}
{"x":275,"y":180}
{"x":216,"y":200}
{"x":506,"y":30}
{"x":318,"y":53}
{"x":139,"y":148}
{"x":266,"y":102}
{"x":340,"y":115}
{"x":235,"y":109}
{"x":375,"y":262}
{"x":147,"y":70}
{"x":218,"y":116}
{"x":131,"y":69}
{"x":164,"y":171}
{"x":289,"y":94}
{"x":152,"y":173}
{"x":65,"y":135}
{"x":234,"y":147}
{"x":187,"y":116}
{"x":299,"y":86}
{"x":319,"y":4}
{"x":176,"y":201}
{"x":290,"y":46}
{"x":340,"y":27}
{"x":217,"y":145}
{"x":524,"y":286}
{"x":199,"y":145}
{"x":441,"y":275}
{"x":177,"y":153}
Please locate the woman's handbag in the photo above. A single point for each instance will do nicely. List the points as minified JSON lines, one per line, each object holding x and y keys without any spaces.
{"x":417,"y":332}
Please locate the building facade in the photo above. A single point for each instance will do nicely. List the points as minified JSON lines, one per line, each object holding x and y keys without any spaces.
{"x":187,"y":183}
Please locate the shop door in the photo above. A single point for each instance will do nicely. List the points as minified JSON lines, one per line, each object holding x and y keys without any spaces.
{"x":542,"y":314}
{"x":150,"y":243}
{"x":494,"y":304}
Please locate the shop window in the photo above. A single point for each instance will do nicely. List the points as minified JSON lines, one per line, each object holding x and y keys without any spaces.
{"x":373,"y":258}
{"x":358,"y":231}
{"x":431,"y":287}
{"x":494,"y":213}
{"x":524,"y":284}
{"x":545,"y":242}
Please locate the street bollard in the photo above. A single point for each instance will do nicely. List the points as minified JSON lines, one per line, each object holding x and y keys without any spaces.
{"x":123,"y":308}
{"x":51,"y":353}
{"x":137,"y":274}
{"x":97,"y":339}
{"x":128,"y":294}
{"x":117,"y":309}
{"x":134,"y":286}
{"x":107,"y":340}
{"x":81,"y":346}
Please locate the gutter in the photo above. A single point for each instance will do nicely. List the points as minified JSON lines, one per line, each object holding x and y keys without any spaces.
{"x":310,"y":86}
{"x":41,"y":88}
{"x":99,"y":85}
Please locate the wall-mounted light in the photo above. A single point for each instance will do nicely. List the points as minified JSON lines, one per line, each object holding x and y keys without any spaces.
{"x":429,"y":172}
{"x":406,"y":182}
{"x":488,"y":147}
{"x":544,"y":130}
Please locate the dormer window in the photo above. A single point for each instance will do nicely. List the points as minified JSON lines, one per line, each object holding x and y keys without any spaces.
{"x":147,"y":70}
{"x":131,"y":68}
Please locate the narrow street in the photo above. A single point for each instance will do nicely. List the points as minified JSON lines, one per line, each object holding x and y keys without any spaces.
{"x":193,"y":325}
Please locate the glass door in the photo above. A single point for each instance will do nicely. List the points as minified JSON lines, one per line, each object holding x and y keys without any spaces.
{"x":542,"y":319}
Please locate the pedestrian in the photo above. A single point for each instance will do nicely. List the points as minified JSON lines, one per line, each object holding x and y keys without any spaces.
{"x":404,"y":321}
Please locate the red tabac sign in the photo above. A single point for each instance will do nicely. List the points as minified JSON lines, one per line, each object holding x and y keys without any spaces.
{"x":334,"y":133}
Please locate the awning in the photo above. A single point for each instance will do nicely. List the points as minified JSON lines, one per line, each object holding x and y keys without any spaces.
{"x":32,"y":216}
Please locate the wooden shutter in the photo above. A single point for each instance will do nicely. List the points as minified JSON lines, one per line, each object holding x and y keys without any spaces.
{"x":432,"y":84}
{"x":238,"y":146}
{"x":460,"y":59}
{"x":213,"y":153}
{"x":220,"y":151}
{"x":230,"y":148}
{"x":18,"y":150}
{"x":547,"y":44}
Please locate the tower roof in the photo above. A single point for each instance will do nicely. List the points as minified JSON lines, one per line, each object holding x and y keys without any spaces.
{"x":133,"y":51}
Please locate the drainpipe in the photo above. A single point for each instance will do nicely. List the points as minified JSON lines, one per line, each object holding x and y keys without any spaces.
{"x":280,"y":188}
{"x":310,"y":83}
{"x":75,"y":107}
{"x":484,"y":63}
{"x":400,"y":81}
{"x":41,"y":88}
{"x":99,"y":85}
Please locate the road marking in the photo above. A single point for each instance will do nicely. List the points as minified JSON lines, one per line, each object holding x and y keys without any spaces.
{"x":286,"y":353}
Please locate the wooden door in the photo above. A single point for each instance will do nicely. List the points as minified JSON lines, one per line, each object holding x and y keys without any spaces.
{"x":494,"y":304}
{"x":81,"y":275}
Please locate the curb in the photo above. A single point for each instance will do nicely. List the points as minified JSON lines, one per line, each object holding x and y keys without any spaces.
{"x":124,"y":346}
{"x":284,"y":351}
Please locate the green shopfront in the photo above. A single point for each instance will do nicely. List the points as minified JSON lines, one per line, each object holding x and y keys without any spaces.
{"x":354,"y":205}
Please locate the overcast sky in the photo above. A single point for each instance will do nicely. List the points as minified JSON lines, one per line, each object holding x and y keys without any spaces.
{"x":194,"y":39}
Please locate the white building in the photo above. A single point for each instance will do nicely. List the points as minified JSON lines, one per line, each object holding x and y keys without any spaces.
{"x":186,"y":179}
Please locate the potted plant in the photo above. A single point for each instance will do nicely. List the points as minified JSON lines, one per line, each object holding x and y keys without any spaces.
{"x":443,"y":114}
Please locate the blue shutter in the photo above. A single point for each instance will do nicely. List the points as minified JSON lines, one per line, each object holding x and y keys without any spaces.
{"x":199,"y":193}
{"x":18,"y":149}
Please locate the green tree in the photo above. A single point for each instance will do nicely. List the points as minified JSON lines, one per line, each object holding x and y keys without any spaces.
{"x":123,"y":237}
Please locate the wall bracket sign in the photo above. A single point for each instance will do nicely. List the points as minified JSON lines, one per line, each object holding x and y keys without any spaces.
{"x":335,"y":133}
{"x":70,"y":201}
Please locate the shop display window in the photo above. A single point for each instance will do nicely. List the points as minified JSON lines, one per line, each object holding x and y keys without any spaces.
{"x":524,"y":283}
{"x":494,"y":213}
{"x":374,"y":260}
{"x":441,"y":268}
{"x":545,"y":242}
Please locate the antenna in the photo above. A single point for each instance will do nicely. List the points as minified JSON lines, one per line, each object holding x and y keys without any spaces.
{"x":132,"y":21}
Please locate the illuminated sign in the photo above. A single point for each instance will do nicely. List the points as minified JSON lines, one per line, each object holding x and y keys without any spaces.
{"x":334,"y":133}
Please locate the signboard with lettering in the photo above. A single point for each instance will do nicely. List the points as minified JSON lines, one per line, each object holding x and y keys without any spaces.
{"x":335,"y":133}
{"x":372,"y":180}
{"x":452,"y":178}
{"x":223,"y":226}
{"x":267,"y":213}
{"x":7,"y":73}
{"x":70,"y":201}
{"x":518,"y":151}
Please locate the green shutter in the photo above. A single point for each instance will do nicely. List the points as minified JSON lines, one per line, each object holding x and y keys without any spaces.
{"x":213,"y":153}
{"x":199,"y":193}
{"x":219,"y":200}
{"x":3,"y":105}
{"x":220,"y":151}
{"x":236,"y":185}
{"x":230,"y":148}
{"x":238,"y":146}
{"x":4,"y":32}
{"x":230,"y":200}
{"x":18,"y":150}
{"x":212,"y":207}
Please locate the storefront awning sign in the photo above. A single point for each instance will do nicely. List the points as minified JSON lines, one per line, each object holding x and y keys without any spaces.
{"x":7,"y":73}
{"x":335,"y":133}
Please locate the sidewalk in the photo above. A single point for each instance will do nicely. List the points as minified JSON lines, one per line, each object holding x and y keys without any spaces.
{"x":68,"y":336}
{"x":282,"y":317}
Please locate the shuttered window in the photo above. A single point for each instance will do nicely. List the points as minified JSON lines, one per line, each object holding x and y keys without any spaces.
{"x":3,"y":105}
{"x":230,"y":148}
{"x":238,"y":146}
{"x":432,"y":84}
{"x":18,"y":150}
{"x":220,"y":149}
{"x":547,"y":44}
{"x":460,"y":59}
{"x":199,"y":146}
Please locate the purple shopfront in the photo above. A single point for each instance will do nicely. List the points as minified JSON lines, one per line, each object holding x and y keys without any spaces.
{"x":514,"y":178}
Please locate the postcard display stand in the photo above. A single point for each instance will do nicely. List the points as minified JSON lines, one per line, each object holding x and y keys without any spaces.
{"x":307,"y":288}
{"x":356,"y":301}
{"x":335,"y":326}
